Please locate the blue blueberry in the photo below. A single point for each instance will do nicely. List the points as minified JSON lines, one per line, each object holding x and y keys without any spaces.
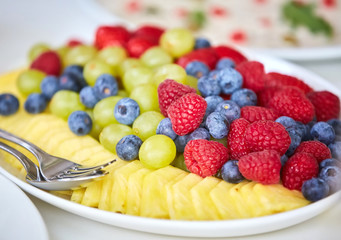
{"x":88,"y":97}
{"x":332,"y":175}
{"x":212,"y":103}
{"x":287,"y":122}
{"x":69,"y":82}
{"x":106,"y":86}
{"x":217,"y":125}
{"x":126,"y":111}
{"x":229,"y":80}
{"x":315,"y":189}
{"x":9,"y":104}
{"x":165,"y":127}
{"x":208,"y":86}
{"x":336,"y":124}
{"x":244,"y":97}
{"x":199,"y":133}
{"x":225,"y":63}
{"x":77,"y":71}
{"x":304,"y":129}
{"x":197,"y":69}
{"x":181,"y":142}
{"x":323,"y":132}
{"x":213,"y":74}
{"x":296,"y":139}
{"x":80,"y":123}
{"x":230,"y":172}
{"x":330,"y":162}
{"x":35,"y":103}
{"x":49,"y":86}
{"x":229,"y":109}
{"x":201,"y":43}
{"x":284,"y":159}
{"x":335,"y":149}
{"x":128,"y":147}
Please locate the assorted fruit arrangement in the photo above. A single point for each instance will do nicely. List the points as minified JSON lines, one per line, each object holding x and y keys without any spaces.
{"x":201,"y":132}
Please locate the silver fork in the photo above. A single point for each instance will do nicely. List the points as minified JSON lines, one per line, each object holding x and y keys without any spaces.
{"x":52,"y":167}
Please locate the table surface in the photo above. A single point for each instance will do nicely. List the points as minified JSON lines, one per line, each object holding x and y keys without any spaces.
{"x":23,"y":23}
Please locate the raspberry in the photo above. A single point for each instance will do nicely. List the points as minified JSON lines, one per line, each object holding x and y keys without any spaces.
{"x":169,"y":91}
{"x":299,"y":168}
{"x":327,"y":105}
{"x":205,"y":55}
{"x":111,"y":36}
{"x":253,"y":75}
{"x":280,"y":80}
{"x":256,"y":113}
{"x":266,"y":94}
{"x":74,"y":42}
{"x":151,"y":33}
{"x":205,"y":157}
{"x":137,"y":46}
{"x":293,"y":103}
{"x":233,"y":54}
{"x":263,"y":167}
{"x":47,"y":62}
{"x":187,"y":113}
{"x":267,"y":135}
{"x":236,"y":138}
{"x":317,"y":149}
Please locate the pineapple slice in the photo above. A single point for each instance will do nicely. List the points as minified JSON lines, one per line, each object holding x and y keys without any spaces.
{"x":238,"y":200}
{"x":251,"y":200}
{"x":77,"y":195}
{"x":92,"y":194}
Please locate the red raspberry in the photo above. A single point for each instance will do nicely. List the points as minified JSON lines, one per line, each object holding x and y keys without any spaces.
{"x":293,"y":103}
{"x":152,"y":33}
{"x":205,"y":157}
{"x":317,"y":149}
{"x":253,"y":75}
{"x":205,"y":55}
{"x":280,"y":80}
{"x":256,"y":113}
{"x":186,"y":113}
{"x":263,"y":167}
{"x":48,"y":62}
{"x":137,"y":46}
{"x":299,"y":168}
{"x":111,"y":36}
{"x":327,"y":105}
{"x":236,"y":138}
{"x":267,"y":135}
{"x":169,"y":91}
{"x":233,"y":54}
{"x":266,"y":94}
{"x":74,"y":43}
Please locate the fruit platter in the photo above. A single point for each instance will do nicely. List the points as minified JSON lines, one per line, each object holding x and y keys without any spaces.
{"x":205,"y":136}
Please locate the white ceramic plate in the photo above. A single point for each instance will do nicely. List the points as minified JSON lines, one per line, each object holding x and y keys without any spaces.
{"x":19,"y":218}
{"x":226,"y":228}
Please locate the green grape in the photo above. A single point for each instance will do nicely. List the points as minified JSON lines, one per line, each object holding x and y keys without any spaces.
{"x":36,"y":50}
{"x":113,"y":56}
{"x":29,"y":81}
{"x":137,"y":76}
{"x":64,"y":102}
{"x":155,"y":57}
{"x":127,"y":64}
{"x":177,"y":41}
{"x":104,"y":111}
{"x":96,"y":129}
{"x":112,"y":134}
{"x":179,"y":162}
{"x":222,"y":141}
{"x":80,"y":55}
{"x":169,"y":71}
{"x":94,"y":68}
{"x":146,"y":96}
{"x":145,"y":125}
{"x":192,"y":82}
{"x":62,"y":53}
{"x":157,"y":151}
{"x":122,"y":93}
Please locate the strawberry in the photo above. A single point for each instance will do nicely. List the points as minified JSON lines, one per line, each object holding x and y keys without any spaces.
{"x":137,"y":46}
{"x":263,"y":167}
{"x":205,"y":55}
{"x":253,"y":75}
{"x":256,"y":113}
{"x":317,"y":149}
{"x":267,"y":135}
{"x":327,"y":105}
{"x":187,"y":113}
{"x":169,"y":91}
{"x":228,"y":52}
{"x":111,"y":36}
{"x":151,"y":33}
{"x":204,"y":157}
{"x":48,"y":62}
{"x":299,"y":168}
{"x":236,"y":138}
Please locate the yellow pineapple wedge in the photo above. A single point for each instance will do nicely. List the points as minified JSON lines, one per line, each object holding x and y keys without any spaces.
{"x":77,"y":195}
{"x":92,"y":194}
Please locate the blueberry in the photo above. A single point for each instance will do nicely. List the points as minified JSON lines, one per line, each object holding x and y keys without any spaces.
{"x":336,"y":124}
{"x":229,"y":109}
{"x":199,"y":133}
{"x":225,"y":63}
{"x":330,"y":162}
{"x":217,"y":125}
{"x":335,"y":149}
{"x":128,"y":147}
{"x":296,"y":138}
{"x":201,"y":43}
{"x":49,"y":86}
{"x":212,"y":102}
{"x":165,"y":127}
{"x":35,"y":103}
{"x":287,"y":122}
{"x":77,"y":71}
{"x":69,"y":82}
{"x":126,"y":111}
{"x":208,"y":86}
{"x":284,"y":159}
{"x":230,"y":172}
{"x":323,"y":132}
{"x":88,"y":97}
{"x":80,"y":123}
{"x":197,"y":69}
{"x":315,"y":189}
{"x":106,"y":86}
{"x":229,"y":80}
{"x":304,"y":129}
{"x":213,"y":74}
{"x":181,"y":142}
{"x":244,"y":97}
{"x":9,"y":104}
{"x":332,"y":175}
